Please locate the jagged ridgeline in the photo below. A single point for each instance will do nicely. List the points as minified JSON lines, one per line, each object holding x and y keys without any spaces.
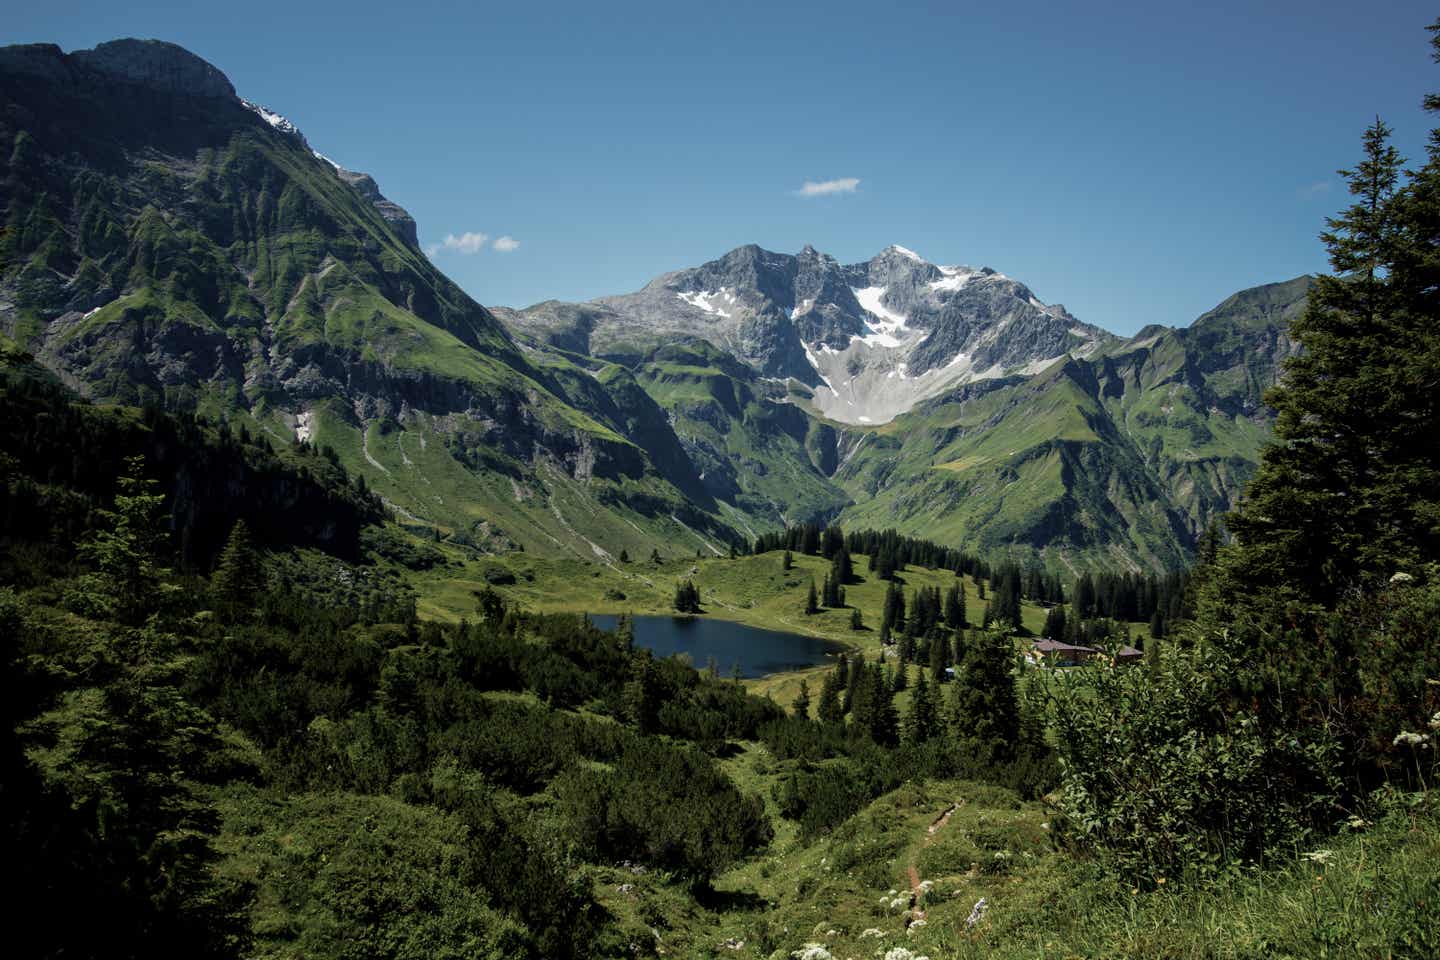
{"x":169,"y":243}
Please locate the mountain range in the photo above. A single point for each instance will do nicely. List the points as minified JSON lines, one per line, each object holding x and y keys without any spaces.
{"x":167,"y":242}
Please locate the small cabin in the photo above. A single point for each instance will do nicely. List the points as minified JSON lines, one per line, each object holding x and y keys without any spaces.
{"x":1060,"y":654}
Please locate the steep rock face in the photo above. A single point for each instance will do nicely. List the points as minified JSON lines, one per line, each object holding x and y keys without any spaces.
{"x":395,"y":215}
{"x":871,"y":340}
{"x":159,"y":66}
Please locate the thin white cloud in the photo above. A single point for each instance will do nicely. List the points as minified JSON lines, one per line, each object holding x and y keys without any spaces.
{"x":1317,"y":188}
{"x":506,"y":244}
{"x":822,"y":188}
{"x":467,"y":243}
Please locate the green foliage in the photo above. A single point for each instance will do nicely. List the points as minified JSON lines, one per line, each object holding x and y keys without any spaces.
{"x":239,"y":577}
{"x":669,"y":807}
{"x":984,"y":709}
{"x":124,"y":546}
{"x":1346,"y":491}
{"x":923,"y":721}
{"x":1164,"y":778}
{"x":106,"y":793}
{"x":687,"y":597}
{"x":354,"y":876}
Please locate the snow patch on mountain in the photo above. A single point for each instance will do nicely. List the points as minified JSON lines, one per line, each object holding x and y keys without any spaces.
{"x":702,"y":300}
{"x":271,"y":117}
{"x":889,"y":331}
{"x":954,"y":278}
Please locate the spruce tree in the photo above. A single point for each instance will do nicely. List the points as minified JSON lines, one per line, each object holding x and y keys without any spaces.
{"x":1347,"y":488}
{"x":955,"y":607}
{"x":923,"y":720}
{"x":883,"y":722}
{"x":985,"y":712}
{"x":1054,"y":624}
{"x":238,"y":577}
{"x":640,"y":693}
{"x":801,"y":706}
{"x":856,"y":621}
{"x":812,"y":605}
{"x":829,"y":709}
{"x":125,"y":545}
{"x":939,"y":650}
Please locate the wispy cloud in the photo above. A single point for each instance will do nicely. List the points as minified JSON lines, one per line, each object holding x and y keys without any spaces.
{"x":821,"y":188}
{"x":1316,"y":188}
{"x":467,"y":243}
{"x":506,"y":244}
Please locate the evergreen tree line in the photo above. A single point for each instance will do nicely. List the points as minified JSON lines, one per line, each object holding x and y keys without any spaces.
{"x":1134,"y":597}
{"x":887,"y":550}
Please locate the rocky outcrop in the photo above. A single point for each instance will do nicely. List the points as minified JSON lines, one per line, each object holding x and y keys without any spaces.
{"x":394,"y":214}
{"x":159,"y":66}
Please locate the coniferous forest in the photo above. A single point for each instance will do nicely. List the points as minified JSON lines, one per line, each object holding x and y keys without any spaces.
{"x":234,"y":728}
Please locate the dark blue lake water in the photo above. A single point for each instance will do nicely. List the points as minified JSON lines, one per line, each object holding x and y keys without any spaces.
{"x":758,"y":651}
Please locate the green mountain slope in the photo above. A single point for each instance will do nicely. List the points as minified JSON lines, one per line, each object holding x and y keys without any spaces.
{"x":1120,"y":459}
{"x":748,"y":442}
{"x":168,"y":243}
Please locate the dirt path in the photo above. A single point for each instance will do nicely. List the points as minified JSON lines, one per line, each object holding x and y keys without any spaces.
{"x":913,"y":871}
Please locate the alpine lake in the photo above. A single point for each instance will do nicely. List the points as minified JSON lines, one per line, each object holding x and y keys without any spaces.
{"x":758,"y":652}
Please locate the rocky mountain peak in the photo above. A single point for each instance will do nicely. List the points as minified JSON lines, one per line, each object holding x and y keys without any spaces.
{"x":870,"y":339}
{"x":158,"y":65}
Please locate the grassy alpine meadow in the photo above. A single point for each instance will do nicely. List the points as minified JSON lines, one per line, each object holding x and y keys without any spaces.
{"x":751,"y":589}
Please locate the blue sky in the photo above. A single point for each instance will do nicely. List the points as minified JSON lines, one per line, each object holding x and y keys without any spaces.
{"x":1137,"y":161}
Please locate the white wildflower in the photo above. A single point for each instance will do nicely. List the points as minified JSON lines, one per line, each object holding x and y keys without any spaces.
{"x":871,"y":932}
{"x":1435,"y":721}
{"x":977,"y":912}
{"x":1402,"y":577}
{"x":900,"y":953}
{"x":899,"y":903}
{"x":914,"y":925}
{"x":1357,"y":823}
{"x":1322,"y":857}
{"x":1411,"y":739}
{"x":812,"y":951}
